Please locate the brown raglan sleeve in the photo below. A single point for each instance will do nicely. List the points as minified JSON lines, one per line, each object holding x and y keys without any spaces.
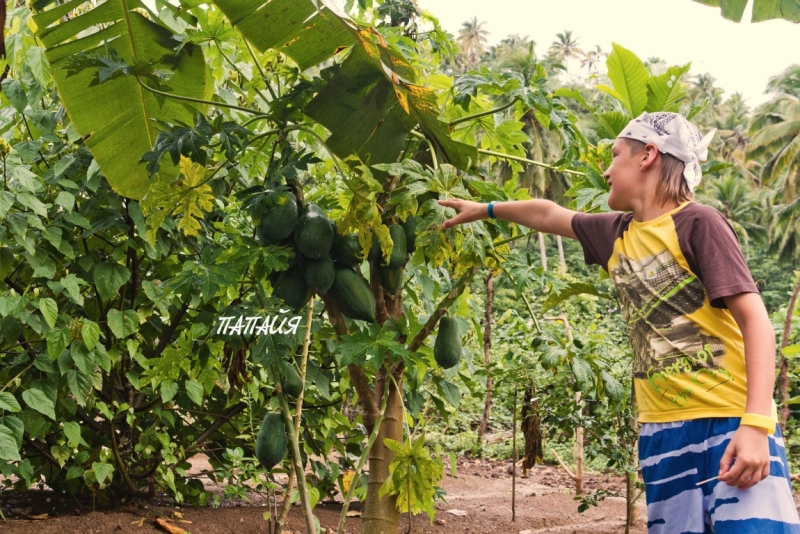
{"x":714,"y":254}
{"x":596,"y":233}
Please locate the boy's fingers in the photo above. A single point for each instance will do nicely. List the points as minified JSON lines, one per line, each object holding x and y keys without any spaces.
{"x":725,"y":461}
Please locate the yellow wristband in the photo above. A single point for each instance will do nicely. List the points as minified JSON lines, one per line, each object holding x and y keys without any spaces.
{"x":761,"y":421}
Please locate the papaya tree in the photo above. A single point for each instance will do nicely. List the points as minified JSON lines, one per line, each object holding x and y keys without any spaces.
{"x":143,"y":244}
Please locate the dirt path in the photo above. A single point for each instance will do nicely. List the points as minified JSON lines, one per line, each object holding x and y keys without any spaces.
{"x":480,"y":496}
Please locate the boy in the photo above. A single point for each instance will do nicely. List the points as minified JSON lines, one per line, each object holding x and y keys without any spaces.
{"x":703,"y":345}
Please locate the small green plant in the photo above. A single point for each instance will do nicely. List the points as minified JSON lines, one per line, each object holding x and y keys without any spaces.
{"x":414,"y":476}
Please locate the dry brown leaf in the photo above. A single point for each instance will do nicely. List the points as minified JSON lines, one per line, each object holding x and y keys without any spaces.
{"x":186,"y":521}
{"x":353,"y":513}
{"x":172,"y":529}
{"x":138,"y":523}
{"x":40,"y":516}
{"x":459,"y":513}
{"x":177,"y":514}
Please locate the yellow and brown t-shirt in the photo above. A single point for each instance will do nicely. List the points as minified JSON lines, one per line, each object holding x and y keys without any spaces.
{"x":670,"y":275}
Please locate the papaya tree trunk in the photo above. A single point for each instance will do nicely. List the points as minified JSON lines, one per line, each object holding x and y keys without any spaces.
{"x":783,"y":375}
{"x":543,"y":251}
{"x":562,"y":262}
{"x":380,"y":513}
{"x":487,"y":345}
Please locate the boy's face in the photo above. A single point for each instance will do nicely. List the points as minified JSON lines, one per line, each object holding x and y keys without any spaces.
{"x":624,"y":175}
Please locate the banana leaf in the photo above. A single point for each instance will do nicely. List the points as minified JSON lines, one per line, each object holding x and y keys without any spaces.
{"x":118,"y":118}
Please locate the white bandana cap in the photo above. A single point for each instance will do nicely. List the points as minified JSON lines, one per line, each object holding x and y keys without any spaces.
{"x":674,"y":135}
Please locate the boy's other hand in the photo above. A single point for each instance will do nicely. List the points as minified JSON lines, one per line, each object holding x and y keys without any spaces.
{"x":750,"y":447}
{"x":470,"y":211}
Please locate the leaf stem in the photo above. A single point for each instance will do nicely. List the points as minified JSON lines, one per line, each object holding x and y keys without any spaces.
{"x":483,"y":113}
{"x":334,"y":158}
{"x":294,"y":452}
{"x":19,"y":375}
{"x":200,"y":100}
{"x":219,"y":47}
{"x":499,"y":259}
{"x":260,"y":69}
{"x":529,"y":161}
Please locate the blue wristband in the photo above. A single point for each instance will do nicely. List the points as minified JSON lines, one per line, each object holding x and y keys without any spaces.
{"x":491,"y":210}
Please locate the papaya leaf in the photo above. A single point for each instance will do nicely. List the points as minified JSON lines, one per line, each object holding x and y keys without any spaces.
{"x":414,"y":475}
{"x":572,"y":289}
{"x":190,"y":197}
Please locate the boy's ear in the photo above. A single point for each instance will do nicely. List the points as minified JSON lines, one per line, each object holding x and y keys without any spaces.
{"x":649,"y":155}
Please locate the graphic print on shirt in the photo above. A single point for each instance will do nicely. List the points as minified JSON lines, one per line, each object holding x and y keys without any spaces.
{"x":656,"y":295}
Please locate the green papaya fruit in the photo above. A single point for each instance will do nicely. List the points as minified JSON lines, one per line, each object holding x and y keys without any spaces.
{"x":292,"y":288}
{"x":271,"y":441}
{"x":375,"y":249}
{"x":292,"y":385}
{"x":352,"y":294}
{"x":314,"y":232}
{"x":447,"y":347}
{"x":279,"y":221}
{"x":397,"y":258}
{"x":346,"y":249}
{"x":391,"y":278}
{"x":319,"y":274}
{"x":410,"y":226}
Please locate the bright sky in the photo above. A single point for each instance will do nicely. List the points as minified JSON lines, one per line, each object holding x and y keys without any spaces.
{"x":742,"y":57}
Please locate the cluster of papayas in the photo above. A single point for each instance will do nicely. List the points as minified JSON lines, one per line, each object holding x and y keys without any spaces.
{"x":310,"y":234}
{"x":328,"y":262}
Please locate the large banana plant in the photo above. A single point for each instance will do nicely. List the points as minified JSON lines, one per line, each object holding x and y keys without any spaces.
{"x":762,"y":9}
{"x":373,"y":102}
{"x":116,"y":117}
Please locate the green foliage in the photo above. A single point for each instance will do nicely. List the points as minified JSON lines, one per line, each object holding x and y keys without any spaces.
{"x":636,"y":90}
{"x":414,"y":475}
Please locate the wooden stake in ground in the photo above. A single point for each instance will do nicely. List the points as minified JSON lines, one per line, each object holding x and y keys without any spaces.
{"x":487,"y":356}
{"x":514,"y":463}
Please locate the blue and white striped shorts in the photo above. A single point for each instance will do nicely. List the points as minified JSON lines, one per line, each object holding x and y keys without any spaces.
{"x":676,"y":456}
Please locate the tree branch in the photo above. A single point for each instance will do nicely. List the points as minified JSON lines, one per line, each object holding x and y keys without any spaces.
{"x":483,"y":113}
{"x":451,"y":297}
{"x":221,"y":420}
{"x":165,"y":339}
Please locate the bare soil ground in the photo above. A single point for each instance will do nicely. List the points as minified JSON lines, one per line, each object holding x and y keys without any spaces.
{"x":478,"y":501}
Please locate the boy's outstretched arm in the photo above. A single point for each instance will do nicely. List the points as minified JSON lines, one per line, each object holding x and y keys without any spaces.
{"x":749,"y":445}
{"x":541,"y":215}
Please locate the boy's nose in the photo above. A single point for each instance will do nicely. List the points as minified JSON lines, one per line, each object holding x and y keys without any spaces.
{"x":607,"y":176}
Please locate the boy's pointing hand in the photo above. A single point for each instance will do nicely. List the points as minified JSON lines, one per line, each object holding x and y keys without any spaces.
{"x":469,"y":211}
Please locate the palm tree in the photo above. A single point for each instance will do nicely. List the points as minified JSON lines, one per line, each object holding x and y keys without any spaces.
{"x":788,"y":82}
{"x":472,"y":38}
{"x":739,"y":202}
{"x":565,"y":47}
{"x":593,"y":58}
{"x":775,"y":130}
{"x":655,"y":66}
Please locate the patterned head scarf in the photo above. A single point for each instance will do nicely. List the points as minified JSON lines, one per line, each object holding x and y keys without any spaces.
{"x":674,"y":135}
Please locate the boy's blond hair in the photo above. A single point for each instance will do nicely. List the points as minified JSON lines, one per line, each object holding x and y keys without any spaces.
{"x":671,"y":184}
